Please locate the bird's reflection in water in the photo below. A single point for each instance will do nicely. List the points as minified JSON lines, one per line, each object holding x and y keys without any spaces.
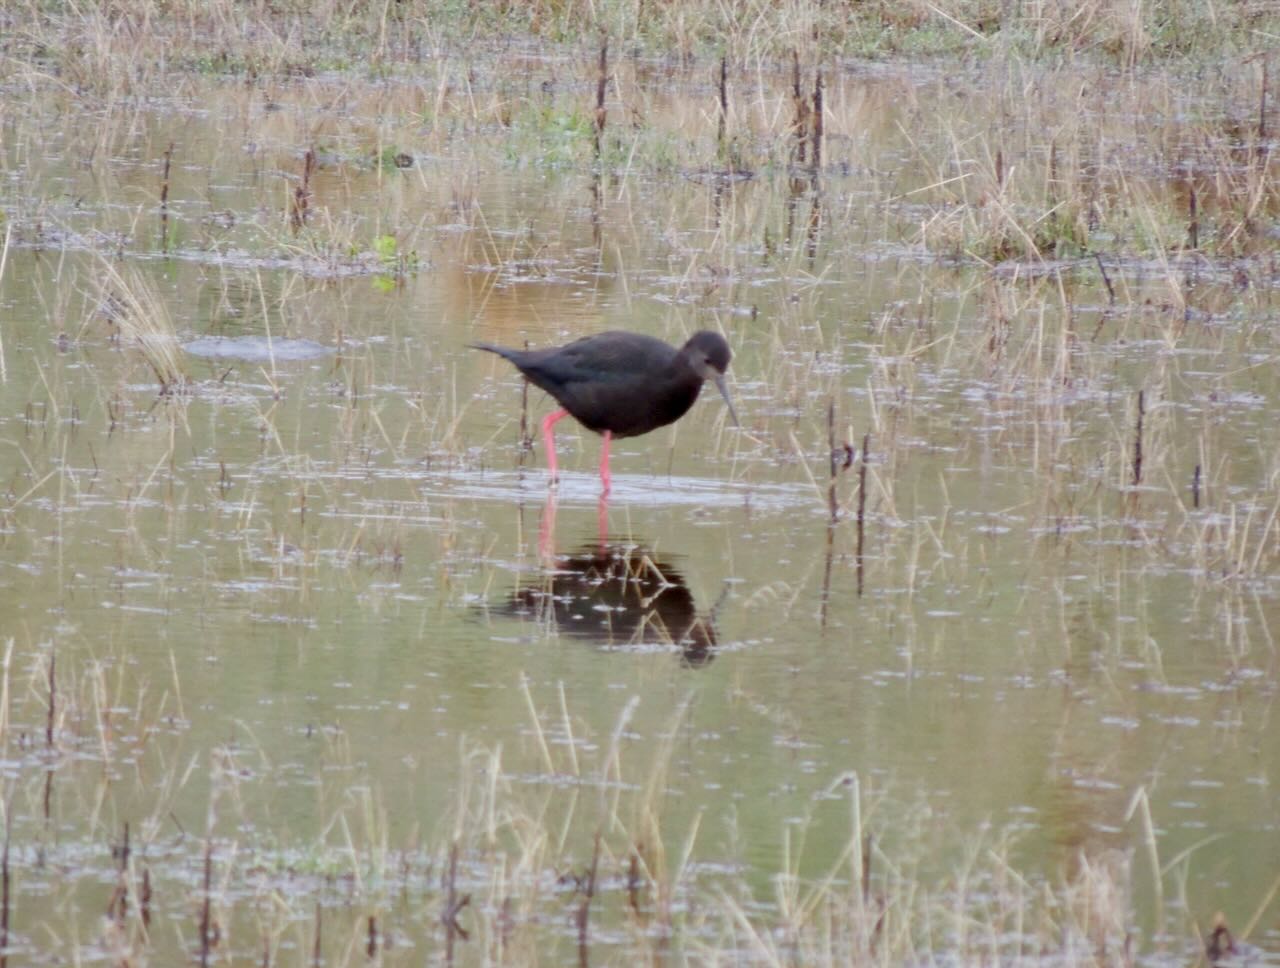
{"x":618,"y":596}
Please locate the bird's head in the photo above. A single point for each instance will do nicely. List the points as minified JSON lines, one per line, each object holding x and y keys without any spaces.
{"x":709,"y":355}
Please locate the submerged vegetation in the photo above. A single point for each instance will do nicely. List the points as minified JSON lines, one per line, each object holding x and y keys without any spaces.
{"x":998,"y":279}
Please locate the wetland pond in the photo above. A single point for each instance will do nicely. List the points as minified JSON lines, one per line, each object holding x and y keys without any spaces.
{"x":303,"y":657}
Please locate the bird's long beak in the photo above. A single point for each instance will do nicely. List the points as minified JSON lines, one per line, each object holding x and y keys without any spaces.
{"x":724,"y":392}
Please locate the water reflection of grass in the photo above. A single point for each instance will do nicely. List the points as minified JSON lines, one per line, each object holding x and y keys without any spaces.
{"x":559,"y":842}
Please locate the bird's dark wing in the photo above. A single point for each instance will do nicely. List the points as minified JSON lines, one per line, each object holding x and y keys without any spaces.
{"x":605,"y":358}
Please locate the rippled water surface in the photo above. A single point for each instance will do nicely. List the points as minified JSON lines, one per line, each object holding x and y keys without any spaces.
{"x":308,"y":595}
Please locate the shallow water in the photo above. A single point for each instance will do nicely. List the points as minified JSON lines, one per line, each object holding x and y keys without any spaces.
{"x":310,"y":573}
{"x":259,"y":349}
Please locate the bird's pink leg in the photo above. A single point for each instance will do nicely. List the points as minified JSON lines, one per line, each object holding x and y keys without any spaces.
{"x":605,"y":477}
{"x":549,"y":441}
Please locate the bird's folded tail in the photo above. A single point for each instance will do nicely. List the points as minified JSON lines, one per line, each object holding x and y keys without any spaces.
{"x":504,"y":351}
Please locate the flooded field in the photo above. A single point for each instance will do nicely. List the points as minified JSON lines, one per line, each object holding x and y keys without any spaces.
{"x":958,"y":650}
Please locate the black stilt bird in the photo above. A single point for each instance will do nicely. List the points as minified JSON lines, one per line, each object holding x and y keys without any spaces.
{"x":621,"y":384}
